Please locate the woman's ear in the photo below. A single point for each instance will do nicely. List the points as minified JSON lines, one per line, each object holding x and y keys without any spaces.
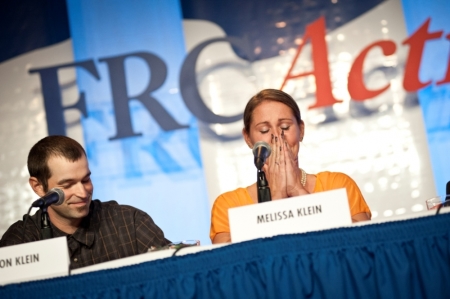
{"x":36,"y":186}
{"x":302,"y":130}
{"x":247,"y":138}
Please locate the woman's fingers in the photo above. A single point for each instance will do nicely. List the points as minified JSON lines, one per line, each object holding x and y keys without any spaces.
{"x":273,"y":155}
{"x":275,"y":169}
{"x":293,"y":173}
{"x":280,"y":150}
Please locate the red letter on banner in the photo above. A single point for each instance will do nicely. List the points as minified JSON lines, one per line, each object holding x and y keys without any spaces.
{"x":447,"y":76}
{"x":416,"y":41}
{"x":356,"y":87}
{"x":316,"y":33}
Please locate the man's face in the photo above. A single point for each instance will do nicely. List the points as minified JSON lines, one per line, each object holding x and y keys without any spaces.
{"x":74,"y":178}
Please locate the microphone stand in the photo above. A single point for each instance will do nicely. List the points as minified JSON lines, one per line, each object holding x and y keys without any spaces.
{"x":46,"y":230}
{"x":447,"y":196}
{"x":263,"y":187}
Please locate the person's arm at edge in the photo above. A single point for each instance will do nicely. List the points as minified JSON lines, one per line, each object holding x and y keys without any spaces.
{"x":359,"y":202}
{"x":360,"y":217}
{"x":220,"y":230}
{"x":222,"y":238}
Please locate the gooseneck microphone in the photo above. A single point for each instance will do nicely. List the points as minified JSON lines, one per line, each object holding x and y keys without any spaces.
{"x":446,"y":202}
{"x":261,"y":151}
{"x":447,"y":195}
{"x":53,"y":197}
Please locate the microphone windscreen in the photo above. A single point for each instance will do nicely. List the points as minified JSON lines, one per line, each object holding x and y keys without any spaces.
{"x":448,"y":188}
{"x":263,"y":144}
{"x":60,"y":195}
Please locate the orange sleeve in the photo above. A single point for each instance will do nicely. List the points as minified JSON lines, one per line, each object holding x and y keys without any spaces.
{"x":219,"y":212}
{"x":335,"y":180}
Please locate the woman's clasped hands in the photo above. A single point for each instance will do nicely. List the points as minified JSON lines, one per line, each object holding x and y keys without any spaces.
{"x":282,"y":170}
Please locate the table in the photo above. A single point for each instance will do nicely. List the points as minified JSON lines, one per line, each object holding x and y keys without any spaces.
{"x":401,"y":259}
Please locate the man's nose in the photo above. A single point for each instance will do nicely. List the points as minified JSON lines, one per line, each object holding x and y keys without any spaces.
{"x":81,"y":190}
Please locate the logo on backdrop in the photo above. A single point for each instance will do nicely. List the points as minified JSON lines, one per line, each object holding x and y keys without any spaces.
{"x":314,"y":33}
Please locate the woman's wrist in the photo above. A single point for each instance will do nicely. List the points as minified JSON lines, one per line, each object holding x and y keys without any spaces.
{"x":278,"y":194}
{"x":297,"y":191}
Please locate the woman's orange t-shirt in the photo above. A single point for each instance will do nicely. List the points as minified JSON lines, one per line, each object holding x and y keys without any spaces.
{"x":325,"y":181}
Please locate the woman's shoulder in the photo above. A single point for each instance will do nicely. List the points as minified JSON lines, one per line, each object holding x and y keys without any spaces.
{"x":328,"y":178}
{"x":234,"y":198}
{"x":334,"y":180}
{"x":332,"y":175}
{"x":237,"y":194}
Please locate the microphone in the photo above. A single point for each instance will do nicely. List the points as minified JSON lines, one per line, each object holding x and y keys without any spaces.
{"x":261,"y":151}
{"x":448,"y":189}
{"x":447,"y":195}
{"x":53,"y":197}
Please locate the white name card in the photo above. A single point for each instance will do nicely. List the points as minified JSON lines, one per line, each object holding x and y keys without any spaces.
{"x":145,"y":257}
{"x":33,"y":261}
{"x":299,"y":214}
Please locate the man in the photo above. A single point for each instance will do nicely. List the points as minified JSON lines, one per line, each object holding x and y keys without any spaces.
{"x":96,"y":231}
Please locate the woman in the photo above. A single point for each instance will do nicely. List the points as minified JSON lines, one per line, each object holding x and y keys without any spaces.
{"x":274,"y":117}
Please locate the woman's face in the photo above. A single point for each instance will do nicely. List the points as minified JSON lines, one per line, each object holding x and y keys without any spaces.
{"x":271,"y":117}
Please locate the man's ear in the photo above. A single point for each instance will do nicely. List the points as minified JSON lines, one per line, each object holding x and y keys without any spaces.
{"x":247,"y":138}
{"x":36,"y":186}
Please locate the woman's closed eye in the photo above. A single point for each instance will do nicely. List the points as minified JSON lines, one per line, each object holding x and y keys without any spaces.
{"x":285,"y":128}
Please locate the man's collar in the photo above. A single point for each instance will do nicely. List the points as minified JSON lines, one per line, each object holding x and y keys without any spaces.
{"x":85,"y":234}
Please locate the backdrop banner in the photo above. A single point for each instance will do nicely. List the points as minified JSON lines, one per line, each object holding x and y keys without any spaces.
{"x":142,"y":141}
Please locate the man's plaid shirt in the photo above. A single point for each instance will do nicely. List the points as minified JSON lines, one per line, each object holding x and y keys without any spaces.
{"x":110,"y":231}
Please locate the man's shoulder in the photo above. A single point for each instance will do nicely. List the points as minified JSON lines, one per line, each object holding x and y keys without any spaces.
{"x":12,"y":234}
{"x":113,"y":206}
{"x":98,"y":204}
{"x":17,"y":234}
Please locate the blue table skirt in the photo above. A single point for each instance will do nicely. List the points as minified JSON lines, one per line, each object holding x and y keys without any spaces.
{"x":403,"y":259}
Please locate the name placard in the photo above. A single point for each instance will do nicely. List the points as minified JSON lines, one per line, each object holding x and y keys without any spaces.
{"x":300,"y":214}
{"x":145,"y":257}
{"x":33,"y":261}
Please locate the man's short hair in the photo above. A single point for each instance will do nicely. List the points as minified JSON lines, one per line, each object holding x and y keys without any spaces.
{"x":47,"y":147}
